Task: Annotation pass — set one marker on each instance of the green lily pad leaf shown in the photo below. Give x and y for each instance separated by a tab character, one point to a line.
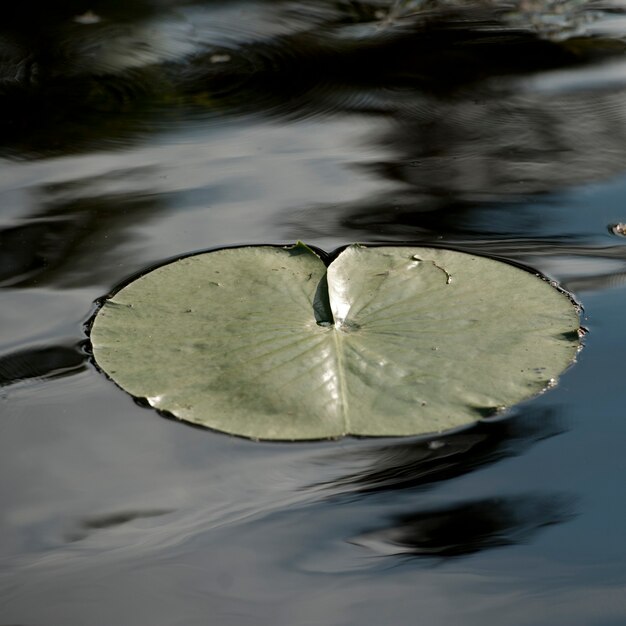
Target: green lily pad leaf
268	343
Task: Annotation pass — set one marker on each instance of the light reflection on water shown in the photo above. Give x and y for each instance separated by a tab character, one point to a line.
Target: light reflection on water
160	129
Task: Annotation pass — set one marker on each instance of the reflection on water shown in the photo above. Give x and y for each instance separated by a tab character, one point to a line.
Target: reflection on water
40	363
475	115
75	232
136	131
111	520
426	462
119	71
454	528
469	527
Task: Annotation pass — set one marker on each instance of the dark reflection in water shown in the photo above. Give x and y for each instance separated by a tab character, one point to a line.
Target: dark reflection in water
120	71
424	463
115	519
90	524
469	527
323	72
407	521
454	159
506	143
74	230
76	237
40	362
25	249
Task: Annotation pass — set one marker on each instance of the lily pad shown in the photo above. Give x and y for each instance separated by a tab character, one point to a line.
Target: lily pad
268	343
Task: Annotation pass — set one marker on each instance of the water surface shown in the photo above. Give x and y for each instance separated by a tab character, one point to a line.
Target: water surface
134	132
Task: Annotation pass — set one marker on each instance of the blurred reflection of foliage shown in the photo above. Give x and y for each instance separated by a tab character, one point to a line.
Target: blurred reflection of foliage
426	462
469	527
122	70
481	148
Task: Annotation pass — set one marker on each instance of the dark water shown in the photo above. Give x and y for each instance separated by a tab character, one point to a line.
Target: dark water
131	132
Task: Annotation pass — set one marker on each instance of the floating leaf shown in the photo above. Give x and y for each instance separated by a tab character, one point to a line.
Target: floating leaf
268	343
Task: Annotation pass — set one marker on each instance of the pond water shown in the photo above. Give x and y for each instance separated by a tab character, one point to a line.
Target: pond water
134	132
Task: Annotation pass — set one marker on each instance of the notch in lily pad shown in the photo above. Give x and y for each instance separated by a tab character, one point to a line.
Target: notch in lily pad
269	343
